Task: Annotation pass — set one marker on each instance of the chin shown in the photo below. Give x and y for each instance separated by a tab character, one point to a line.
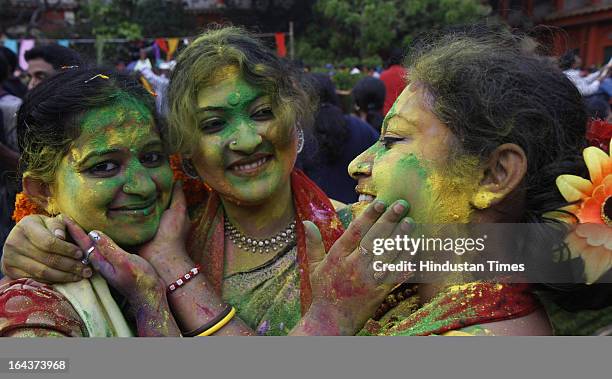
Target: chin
129	237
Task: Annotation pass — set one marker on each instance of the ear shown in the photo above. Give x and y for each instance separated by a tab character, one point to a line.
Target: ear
503	174
40	192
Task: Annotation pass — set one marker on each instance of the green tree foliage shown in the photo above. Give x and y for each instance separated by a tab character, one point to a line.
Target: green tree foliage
366	28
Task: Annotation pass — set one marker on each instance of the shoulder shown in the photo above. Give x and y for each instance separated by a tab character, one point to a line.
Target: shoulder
28	304
359	127
10	101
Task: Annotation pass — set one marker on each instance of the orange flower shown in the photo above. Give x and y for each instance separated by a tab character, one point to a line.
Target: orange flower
24	207
591	239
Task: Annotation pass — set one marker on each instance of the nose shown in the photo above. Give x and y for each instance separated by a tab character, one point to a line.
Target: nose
138	181
246	139
362	165
32	83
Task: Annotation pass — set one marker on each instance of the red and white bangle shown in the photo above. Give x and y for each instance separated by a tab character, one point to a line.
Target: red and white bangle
184	279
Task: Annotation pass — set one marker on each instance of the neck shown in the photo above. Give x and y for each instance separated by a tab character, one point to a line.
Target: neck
265	219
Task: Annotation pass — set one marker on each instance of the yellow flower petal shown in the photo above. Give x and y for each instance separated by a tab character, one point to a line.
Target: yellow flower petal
598	162
574	188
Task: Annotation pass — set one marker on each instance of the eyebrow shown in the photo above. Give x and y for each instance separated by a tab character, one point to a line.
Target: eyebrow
99	153
214	108
410	122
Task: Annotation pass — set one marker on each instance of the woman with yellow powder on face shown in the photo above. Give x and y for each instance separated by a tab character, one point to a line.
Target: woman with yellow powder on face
103	166
482	132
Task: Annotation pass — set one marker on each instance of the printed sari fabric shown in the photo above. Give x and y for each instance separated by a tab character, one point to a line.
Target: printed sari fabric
458	307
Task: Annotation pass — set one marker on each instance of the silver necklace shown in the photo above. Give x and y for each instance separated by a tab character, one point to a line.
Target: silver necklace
261	246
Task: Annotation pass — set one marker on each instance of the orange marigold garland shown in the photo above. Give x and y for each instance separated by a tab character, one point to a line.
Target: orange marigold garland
195	192
24	207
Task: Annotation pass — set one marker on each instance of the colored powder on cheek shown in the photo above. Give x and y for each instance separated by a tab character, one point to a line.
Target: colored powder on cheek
453	187
412	162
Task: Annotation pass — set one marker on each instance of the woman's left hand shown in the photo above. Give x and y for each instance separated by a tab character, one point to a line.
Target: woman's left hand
169	241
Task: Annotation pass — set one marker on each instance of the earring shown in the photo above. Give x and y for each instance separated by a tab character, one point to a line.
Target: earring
300	138
188	168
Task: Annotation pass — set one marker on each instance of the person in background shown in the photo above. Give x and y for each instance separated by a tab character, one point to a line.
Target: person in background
394	78
339	138
598	109
369	97
47	60
591	84
9	156
143	62
12	84
160	85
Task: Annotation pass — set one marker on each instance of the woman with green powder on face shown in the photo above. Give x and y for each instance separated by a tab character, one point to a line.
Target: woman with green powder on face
236	114
102	166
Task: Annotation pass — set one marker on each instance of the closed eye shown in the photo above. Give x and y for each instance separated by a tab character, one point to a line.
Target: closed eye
388	141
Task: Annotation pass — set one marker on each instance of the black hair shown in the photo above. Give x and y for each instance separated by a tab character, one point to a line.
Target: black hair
567	60
396	57
4	68
10	56
369	95
597	108
49	118
330	127
56	55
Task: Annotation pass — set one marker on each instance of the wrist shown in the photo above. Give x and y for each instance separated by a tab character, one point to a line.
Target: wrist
329	319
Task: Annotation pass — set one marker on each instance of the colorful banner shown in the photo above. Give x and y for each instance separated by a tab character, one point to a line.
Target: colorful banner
26	44
172	46
162	44
281	49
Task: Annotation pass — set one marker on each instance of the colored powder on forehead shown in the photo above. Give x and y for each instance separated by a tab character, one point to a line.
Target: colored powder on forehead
123	107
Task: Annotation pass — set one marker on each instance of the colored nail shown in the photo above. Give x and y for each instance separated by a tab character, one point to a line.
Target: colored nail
379	206
399	207
87	273
406	224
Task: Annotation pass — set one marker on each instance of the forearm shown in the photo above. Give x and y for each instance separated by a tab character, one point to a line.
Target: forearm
195	303
154	318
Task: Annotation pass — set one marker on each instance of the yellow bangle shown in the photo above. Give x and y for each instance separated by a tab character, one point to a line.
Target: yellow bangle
219	325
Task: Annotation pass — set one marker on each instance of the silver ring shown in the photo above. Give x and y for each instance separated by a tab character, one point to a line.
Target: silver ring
378	275
85	260
363	251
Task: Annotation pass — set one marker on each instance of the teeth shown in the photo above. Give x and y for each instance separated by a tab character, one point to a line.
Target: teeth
250	166
364	197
